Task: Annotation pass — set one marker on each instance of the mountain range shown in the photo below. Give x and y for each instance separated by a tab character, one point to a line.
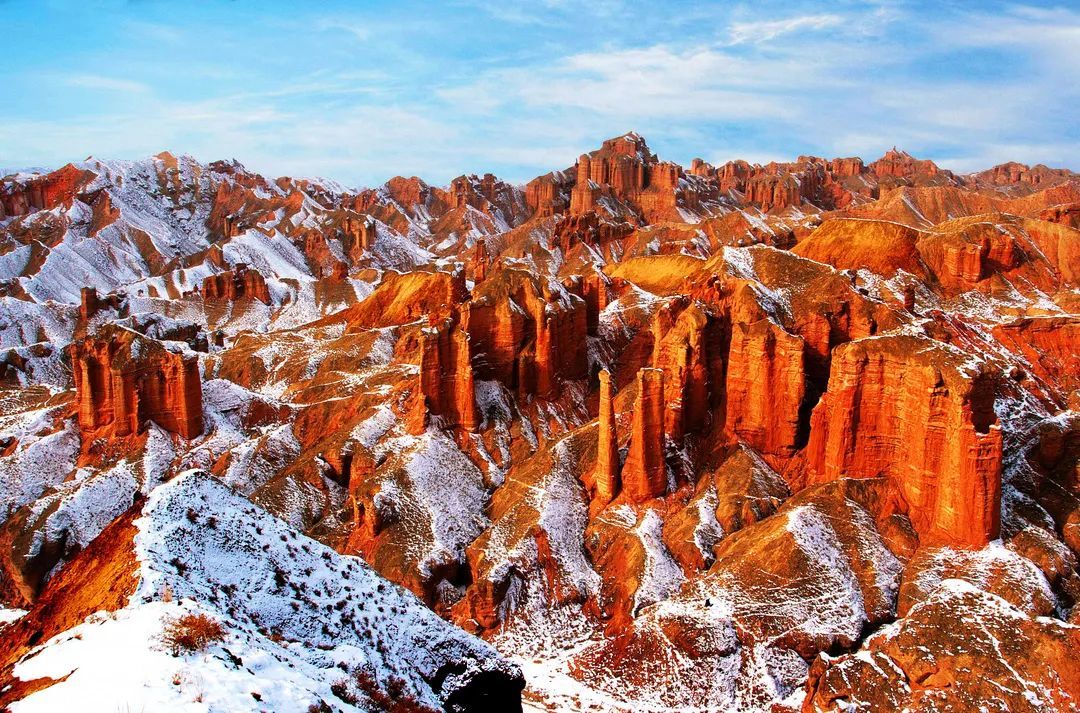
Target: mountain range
632	436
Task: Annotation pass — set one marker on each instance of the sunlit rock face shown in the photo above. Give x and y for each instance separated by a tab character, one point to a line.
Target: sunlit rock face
124	380
800	436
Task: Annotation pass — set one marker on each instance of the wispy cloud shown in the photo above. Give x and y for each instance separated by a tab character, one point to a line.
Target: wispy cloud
356	30
111	84
761	31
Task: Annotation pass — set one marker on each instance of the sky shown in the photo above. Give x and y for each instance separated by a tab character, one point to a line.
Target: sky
363	91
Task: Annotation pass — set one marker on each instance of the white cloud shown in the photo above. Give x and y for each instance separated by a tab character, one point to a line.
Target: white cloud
762	31
112	84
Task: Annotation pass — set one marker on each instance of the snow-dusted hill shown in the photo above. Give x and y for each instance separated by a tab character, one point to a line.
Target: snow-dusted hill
303	625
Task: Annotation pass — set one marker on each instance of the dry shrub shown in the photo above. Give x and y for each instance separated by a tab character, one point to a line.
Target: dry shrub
191	633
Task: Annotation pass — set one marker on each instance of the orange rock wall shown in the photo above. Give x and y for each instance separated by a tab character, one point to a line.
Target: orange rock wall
123	380
235	284
890	411
445	383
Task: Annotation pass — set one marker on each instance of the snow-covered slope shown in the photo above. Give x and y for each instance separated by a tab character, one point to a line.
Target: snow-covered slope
304	626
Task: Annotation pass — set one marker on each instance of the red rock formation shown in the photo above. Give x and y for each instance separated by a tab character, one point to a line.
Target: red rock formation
480	261
104	213
545	195
1012	173
644	475
123	380
1067	214
772	192
526	335
445	383
90	303
959	649
700	167
406	297
765	386
43	192
847	167
881	246
485	194
679	352
901	164
596	289
906	407
1050	345
733	175
588	228
606	474
236	284
620	164
357	234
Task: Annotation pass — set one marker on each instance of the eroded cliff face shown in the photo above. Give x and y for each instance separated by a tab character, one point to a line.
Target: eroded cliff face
528	334
445	382
43	192
238	283
903	408
123	380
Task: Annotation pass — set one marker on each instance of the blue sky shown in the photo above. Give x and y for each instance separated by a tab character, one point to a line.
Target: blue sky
360	92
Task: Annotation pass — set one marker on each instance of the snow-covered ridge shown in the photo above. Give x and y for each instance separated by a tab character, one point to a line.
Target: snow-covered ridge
303	625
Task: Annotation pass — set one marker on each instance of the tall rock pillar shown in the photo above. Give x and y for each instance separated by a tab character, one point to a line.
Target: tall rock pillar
644	476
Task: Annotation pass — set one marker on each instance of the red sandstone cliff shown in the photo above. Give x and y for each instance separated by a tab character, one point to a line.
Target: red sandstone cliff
123	380
235	284
526	333
908	408
445	381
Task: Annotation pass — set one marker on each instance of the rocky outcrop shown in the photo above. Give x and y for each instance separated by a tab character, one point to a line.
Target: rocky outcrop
679	352
598	291
589	228
123	380
900	164
527	334
1012	173
103	212
546	195
765	386
1067	214
624	179
1051	348
955	650
772	192
847	167
480	262
90	303
881	246
644	475
606	473
910	409
445	382
239	283
406	297
43	192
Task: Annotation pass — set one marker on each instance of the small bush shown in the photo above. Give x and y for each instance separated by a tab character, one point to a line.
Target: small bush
341	690
191	633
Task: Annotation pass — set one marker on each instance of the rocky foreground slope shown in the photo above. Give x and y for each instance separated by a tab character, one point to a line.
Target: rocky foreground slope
790	437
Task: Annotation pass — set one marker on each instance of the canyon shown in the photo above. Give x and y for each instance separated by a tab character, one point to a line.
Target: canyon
631	436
